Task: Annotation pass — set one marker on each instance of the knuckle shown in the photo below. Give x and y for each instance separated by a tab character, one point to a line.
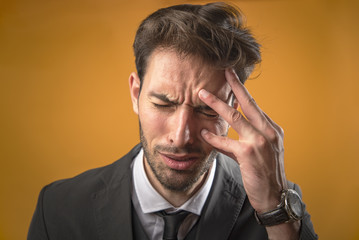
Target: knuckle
280	131
272	135
261	141
251	101
227	143
235	115
248	149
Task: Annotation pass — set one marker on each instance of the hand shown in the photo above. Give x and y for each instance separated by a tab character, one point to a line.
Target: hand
259	150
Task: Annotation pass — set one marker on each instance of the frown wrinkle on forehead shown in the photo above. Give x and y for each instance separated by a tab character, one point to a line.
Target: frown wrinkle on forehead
180	78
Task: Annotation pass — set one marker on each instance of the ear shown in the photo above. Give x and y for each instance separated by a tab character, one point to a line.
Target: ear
134	82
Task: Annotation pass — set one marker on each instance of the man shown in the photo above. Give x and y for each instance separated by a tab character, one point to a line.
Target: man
191	64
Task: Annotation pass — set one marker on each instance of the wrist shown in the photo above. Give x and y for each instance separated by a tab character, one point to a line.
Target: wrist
290	208
271	203
284	231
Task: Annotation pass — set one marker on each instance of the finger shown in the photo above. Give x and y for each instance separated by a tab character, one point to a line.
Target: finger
280	166
249	107
228	113
223	144
275	126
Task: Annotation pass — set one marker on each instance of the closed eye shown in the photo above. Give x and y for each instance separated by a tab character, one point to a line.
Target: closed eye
162	105
207	111
209	114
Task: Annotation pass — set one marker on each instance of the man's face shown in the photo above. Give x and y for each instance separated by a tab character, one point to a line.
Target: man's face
172	116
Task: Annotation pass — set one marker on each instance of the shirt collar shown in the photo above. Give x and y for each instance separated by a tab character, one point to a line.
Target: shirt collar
151	201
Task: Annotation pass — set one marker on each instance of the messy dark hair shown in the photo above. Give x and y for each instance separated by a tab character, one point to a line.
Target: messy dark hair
215	32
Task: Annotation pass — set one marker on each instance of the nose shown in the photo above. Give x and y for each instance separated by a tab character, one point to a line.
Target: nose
182	128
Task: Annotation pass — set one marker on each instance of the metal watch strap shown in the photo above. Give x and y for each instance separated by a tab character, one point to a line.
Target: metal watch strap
274	217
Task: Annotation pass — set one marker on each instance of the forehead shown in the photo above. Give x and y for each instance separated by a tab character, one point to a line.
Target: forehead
180	76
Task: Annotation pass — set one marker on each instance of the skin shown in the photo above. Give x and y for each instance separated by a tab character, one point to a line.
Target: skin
172	116
184	117
259	152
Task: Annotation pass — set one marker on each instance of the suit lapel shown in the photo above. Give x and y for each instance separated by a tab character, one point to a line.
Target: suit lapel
225	201
112	204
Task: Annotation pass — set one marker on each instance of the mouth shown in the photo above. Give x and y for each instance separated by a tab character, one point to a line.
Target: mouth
179	161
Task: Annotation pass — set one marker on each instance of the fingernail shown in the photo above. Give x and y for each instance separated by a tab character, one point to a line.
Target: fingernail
204	131
233	72
203	93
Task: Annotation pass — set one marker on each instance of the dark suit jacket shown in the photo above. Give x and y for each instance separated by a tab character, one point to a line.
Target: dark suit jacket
97	205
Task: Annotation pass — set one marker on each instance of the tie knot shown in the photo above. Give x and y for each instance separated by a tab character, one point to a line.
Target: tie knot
173	222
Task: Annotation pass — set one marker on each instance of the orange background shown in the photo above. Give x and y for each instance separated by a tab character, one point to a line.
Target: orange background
65	104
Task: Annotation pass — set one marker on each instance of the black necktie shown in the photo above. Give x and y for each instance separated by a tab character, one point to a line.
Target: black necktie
173	222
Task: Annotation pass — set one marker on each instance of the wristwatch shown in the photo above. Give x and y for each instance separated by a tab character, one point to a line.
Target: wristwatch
290	208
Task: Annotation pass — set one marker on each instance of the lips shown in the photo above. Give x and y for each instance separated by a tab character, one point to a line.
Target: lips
179	162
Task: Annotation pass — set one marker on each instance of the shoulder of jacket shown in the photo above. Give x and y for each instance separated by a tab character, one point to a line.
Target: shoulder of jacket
94	179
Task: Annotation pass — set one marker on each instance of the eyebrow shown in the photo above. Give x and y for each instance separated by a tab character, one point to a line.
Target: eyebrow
165	99
162	97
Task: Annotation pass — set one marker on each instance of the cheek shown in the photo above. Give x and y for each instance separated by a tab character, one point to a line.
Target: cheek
220	128
152	122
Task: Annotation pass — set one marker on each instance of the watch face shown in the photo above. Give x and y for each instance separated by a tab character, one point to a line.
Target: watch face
294	204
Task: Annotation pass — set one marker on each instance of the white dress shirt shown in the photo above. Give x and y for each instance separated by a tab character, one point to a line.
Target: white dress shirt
147	201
